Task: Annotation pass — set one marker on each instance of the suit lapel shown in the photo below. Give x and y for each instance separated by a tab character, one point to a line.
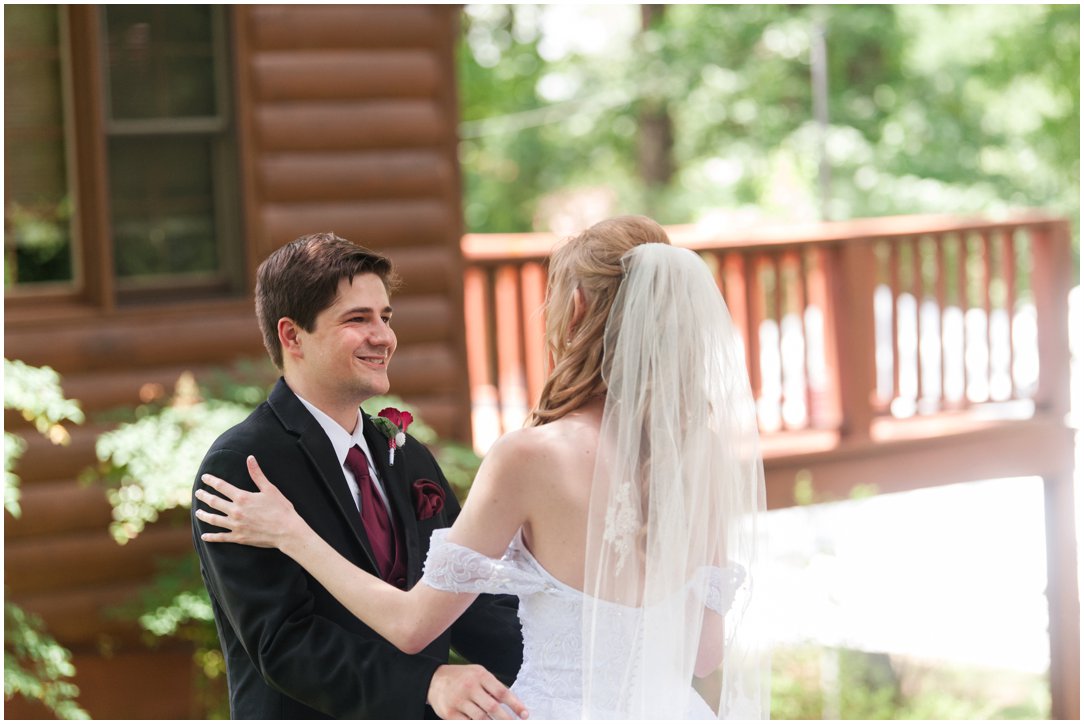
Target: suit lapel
395	485
317	448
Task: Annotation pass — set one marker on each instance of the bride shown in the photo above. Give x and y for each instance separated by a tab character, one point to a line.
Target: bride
623	515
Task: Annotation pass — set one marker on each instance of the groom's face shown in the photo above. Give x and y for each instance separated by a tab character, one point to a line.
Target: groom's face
350	346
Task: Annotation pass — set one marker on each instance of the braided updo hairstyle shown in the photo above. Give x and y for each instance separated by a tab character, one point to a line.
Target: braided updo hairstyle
590	261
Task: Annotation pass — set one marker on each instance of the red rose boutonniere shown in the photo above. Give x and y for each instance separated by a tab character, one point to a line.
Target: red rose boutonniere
393	423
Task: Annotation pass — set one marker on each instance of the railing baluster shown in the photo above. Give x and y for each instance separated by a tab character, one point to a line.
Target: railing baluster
917	292
939	283
987	277
754	307
802	265
777	302
718	266
1008	275
533	287
961	295
894	287
511	381
737	300
827	399
478	306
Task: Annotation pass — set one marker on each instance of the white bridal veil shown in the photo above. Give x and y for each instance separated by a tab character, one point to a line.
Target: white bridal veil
677	487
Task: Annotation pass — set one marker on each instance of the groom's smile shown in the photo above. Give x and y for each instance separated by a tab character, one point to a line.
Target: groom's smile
378	362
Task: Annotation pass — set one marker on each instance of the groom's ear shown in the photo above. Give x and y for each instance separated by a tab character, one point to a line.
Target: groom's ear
290	338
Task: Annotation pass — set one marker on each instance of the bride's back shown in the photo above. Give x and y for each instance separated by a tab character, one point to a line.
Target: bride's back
559	462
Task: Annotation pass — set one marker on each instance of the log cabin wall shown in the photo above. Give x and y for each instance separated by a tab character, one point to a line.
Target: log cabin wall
344	120
348	122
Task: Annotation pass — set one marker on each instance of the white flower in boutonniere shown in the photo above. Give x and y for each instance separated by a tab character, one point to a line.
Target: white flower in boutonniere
393	423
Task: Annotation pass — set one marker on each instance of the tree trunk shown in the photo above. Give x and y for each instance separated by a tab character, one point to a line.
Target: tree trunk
656	138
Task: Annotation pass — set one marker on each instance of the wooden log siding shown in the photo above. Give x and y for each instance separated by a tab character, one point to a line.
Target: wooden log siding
348	118
335	27
346	121
299	177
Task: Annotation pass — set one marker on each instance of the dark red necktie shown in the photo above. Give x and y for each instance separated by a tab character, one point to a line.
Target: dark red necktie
374	516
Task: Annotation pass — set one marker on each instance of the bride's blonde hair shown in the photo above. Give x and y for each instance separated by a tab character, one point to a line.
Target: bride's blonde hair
591	262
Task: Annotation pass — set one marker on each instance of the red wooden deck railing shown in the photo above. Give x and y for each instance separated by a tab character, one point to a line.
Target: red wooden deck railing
902	352
844	323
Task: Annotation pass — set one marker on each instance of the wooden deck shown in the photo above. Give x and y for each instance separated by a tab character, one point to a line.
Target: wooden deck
894	354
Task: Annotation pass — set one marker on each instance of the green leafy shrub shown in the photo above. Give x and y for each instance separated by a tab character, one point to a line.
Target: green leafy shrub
35	665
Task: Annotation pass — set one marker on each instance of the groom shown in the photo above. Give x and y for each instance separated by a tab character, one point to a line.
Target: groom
292	651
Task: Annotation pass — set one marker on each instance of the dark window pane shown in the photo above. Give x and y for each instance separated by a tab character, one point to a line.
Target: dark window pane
37	209
163	205
160	61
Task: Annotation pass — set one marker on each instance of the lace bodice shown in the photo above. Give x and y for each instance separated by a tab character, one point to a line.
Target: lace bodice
551	679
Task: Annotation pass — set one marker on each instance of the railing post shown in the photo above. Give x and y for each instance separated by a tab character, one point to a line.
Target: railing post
851	271
1050	286
1062	591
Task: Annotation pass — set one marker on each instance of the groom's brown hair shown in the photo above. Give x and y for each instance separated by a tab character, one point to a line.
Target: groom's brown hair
301	279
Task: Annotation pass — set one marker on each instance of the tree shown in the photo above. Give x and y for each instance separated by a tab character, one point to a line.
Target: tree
944	108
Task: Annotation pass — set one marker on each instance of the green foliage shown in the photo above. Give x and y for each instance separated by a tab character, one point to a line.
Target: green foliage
38	245
35	665
14	447
932	108
149	463
809	682
35	392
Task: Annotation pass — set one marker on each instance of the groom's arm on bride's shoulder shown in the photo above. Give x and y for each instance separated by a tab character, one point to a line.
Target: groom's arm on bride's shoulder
268	609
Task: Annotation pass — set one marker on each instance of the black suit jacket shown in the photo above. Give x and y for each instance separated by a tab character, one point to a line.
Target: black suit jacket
292	651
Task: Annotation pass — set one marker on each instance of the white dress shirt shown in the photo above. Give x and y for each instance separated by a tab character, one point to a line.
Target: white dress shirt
342	441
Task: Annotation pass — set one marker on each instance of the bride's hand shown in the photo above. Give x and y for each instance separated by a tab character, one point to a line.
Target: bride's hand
265	519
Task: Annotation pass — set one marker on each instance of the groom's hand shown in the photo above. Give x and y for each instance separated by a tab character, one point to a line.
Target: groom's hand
471	692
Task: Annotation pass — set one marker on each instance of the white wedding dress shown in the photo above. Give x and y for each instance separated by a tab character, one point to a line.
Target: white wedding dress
550	682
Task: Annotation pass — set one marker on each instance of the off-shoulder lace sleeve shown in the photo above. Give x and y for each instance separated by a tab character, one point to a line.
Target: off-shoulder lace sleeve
458	569
721	586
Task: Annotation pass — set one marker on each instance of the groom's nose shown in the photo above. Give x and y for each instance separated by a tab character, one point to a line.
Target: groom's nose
382	335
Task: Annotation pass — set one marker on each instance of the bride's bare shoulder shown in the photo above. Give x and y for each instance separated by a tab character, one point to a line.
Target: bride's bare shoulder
551	444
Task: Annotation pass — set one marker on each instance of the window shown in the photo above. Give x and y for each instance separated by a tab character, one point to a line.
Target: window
37	205
157	134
